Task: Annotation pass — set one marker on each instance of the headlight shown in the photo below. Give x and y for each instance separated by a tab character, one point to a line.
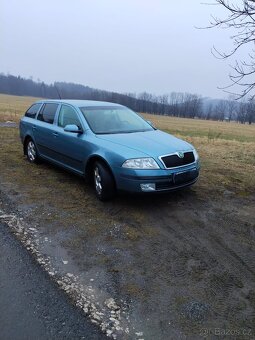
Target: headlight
196	155
140	163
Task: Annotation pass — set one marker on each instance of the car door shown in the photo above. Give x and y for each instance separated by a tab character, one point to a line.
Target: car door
70	147
44	130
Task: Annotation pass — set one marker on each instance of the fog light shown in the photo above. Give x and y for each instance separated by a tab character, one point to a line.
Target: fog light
148	187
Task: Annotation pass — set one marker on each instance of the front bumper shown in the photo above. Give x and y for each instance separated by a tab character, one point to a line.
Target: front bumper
161	180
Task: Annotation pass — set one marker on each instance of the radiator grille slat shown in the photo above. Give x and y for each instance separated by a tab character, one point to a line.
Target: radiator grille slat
173	161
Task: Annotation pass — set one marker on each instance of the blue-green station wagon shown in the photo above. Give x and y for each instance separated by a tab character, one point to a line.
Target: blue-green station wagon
108	144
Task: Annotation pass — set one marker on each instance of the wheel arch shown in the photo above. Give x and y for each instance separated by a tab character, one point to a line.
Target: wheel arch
89	167
27	138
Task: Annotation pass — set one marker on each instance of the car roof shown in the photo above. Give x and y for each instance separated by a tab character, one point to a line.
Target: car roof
79	103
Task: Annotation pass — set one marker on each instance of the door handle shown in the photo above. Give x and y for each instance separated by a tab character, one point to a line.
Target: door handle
55	134
34	127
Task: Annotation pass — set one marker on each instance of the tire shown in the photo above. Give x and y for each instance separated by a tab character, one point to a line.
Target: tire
31	152
103	182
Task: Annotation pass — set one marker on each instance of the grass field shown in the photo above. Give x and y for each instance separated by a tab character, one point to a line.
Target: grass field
227	150
13	107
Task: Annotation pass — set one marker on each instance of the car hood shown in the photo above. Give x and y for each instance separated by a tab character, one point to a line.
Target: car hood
153	143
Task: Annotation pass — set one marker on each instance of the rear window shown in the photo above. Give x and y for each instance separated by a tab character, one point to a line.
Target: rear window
47	114
32	111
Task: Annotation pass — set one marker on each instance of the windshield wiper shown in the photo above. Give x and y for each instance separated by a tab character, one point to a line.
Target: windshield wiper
120	132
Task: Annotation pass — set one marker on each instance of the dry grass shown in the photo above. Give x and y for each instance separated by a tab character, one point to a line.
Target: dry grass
211	130
13	107
227	151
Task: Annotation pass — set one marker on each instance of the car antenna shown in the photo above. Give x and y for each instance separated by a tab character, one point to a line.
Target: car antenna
57	91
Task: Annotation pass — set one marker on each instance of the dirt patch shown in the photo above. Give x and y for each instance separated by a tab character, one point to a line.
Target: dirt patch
175	265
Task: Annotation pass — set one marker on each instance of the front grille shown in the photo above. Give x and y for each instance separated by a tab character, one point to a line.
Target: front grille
173	161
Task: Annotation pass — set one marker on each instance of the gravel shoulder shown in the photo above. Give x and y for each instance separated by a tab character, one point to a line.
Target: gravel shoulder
31	305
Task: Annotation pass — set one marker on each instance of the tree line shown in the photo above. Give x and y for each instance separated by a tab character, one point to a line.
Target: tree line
185	105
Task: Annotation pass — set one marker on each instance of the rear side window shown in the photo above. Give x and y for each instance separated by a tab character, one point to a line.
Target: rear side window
32	111
48	112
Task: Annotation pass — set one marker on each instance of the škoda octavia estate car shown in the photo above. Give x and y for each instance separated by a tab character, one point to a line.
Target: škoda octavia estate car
108	143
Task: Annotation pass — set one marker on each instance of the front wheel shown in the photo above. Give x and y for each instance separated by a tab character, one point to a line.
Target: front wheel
103	182
31	152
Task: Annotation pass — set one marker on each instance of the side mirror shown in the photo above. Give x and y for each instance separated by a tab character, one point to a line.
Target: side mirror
72	128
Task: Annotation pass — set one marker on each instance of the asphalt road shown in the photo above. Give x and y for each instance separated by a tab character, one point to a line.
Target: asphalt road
31	305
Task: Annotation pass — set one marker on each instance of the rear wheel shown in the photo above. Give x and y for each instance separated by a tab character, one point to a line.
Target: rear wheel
103	182
31	151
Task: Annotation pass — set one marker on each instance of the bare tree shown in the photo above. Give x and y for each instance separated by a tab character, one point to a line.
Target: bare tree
208	112
250	112
195	106
241	20
231	108
241	112
220	110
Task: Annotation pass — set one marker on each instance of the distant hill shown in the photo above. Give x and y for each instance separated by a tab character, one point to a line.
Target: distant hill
173	104
184	105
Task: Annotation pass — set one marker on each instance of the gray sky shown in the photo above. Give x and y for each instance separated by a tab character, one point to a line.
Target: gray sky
118	45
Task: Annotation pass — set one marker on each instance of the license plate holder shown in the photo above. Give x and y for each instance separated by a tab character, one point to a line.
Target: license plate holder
185	176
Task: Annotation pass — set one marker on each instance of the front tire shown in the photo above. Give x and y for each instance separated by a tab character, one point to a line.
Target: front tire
103	182
31	152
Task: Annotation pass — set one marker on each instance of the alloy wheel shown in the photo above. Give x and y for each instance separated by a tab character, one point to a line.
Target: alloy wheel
98	181
31	151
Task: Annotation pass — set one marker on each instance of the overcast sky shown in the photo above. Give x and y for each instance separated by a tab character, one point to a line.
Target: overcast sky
118	45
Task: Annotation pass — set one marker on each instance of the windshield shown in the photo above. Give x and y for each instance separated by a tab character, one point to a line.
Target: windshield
115	119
